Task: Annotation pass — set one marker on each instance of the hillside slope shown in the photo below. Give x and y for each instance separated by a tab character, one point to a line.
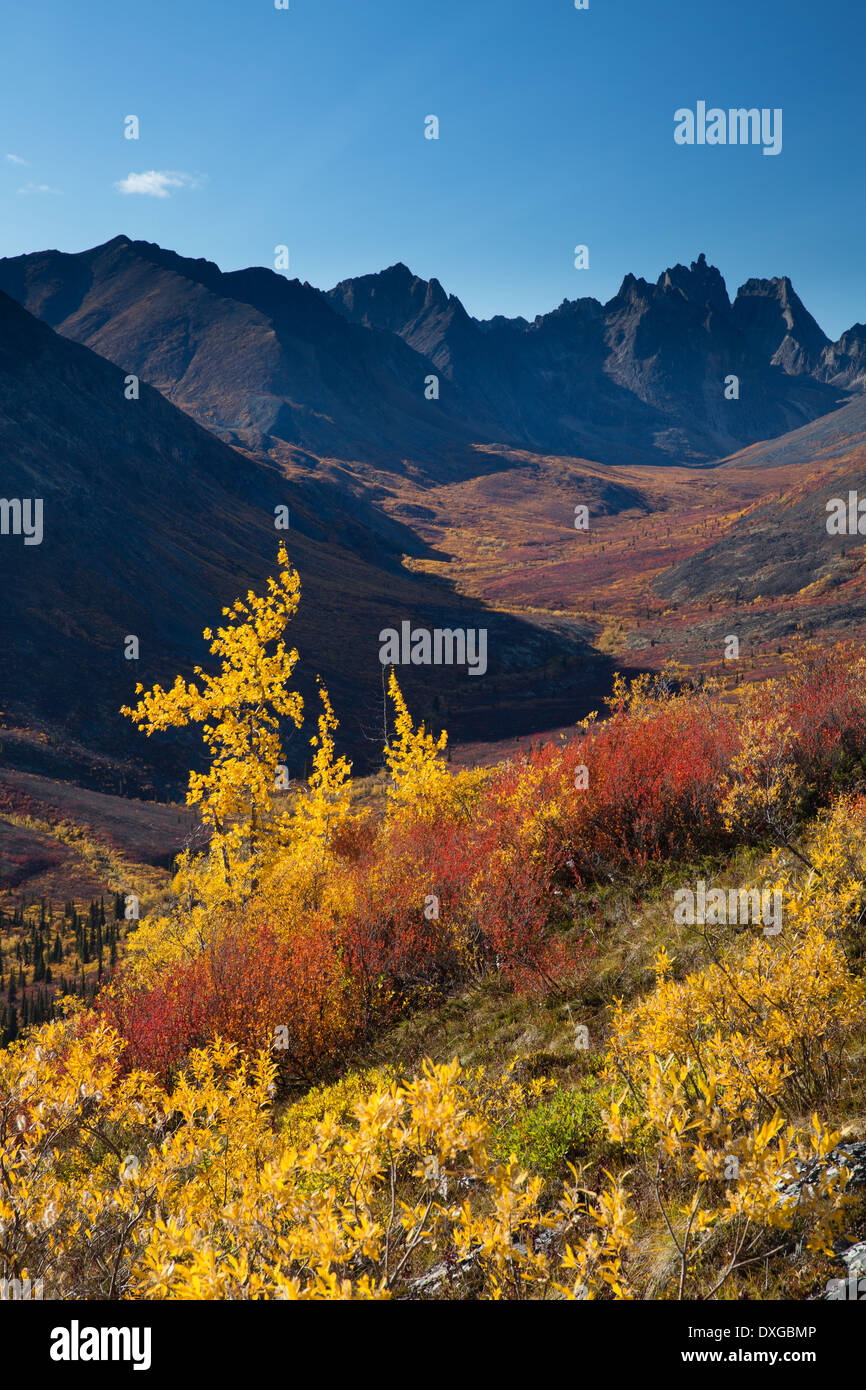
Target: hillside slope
150	524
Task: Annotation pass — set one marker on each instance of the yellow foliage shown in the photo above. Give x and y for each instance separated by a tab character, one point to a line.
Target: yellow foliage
763	789
326	804
711	1064
239	711
418	778
304	872
112	1187
830	896
766	1022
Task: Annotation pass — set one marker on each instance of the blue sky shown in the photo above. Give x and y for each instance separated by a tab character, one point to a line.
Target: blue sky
305	127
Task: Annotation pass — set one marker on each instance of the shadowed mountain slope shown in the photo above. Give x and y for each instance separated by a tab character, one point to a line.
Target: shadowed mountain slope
782	545
253	356
151	525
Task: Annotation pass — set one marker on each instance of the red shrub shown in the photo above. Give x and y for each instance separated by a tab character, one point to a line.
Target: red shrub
825	705
248	984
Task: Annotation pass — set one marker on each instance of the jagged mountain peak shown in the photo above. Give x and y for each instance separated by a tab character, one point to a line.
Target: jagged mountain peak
844	363
633	287
583	310
773	316
699	282
390	297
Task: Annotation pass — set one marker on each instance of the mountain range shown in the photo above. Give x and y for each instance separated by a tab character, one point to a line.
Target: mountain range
276	366
451	506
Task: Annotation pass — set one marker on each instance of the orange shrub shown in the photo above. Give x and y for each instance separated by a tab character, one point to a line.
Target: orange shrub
253	987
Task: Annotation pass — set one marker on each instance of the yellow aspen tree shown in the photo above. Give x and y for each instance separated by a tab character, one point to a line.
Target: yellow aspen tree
325	805
239	710
412	757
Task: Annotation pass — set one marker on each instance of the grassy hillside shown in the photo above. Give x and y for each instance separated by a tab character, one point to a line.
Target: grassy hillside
589	1023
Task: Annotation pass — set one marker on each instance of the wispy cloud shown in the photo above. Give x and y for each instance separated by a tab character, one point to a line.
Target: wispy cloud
16	159
39	188
159	183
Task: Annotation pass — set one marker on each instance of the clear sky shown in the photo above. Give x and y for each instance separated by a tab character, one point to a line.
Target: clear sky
305	127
